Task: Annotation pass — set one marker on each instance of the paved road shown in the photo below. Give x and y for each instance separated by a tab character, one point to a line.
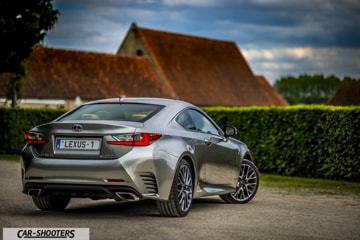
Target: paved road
273	214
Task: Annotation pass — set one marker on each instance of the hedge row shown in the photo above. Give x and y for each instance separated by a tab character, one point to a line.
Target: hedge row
321	142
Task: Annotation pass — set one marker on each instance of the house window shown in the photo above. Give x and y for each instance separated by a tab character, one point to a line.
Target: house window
139	52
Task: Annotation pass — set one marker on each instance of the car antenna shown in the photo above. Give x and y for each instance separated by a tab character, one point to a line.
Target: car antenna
121	98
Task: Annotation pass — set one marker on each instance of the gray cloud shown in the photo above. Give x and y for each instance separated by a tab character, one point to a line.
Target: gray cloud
264	27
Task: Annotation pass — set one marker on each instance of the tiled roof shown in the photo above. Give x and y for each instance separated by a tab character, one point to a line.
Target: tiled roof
348	93
206	71
272	95
65	74
199	70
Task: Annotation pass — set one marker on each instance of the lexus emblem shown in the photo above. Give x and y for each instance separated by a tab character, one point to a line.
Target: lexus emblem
77	127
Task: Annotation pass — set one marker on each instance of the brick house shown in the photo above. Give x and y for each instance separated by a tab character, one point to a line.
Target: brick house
148	63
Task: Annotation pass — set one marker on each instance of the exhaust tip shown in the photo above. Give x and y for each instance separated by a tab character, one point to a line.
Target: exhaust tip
124	196
34	192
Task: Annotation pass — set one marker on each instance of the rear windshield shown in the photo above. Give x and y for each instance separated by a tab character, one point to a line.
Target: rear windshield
133	112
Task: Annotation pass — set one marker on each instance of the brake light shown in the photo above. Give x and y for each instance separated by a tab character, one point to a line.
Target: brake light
35	138
139	139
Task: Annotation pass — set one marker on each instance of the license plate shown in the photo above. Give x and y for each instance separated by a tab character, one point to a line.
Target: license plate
77	144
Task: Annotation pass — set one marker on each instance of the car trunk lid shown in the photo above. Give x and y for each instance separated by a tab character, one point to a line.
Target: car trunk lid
83	139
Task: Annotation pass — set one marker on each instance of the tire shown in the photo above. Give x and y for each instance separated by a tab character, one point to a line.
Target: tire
51	203
247	186
181	193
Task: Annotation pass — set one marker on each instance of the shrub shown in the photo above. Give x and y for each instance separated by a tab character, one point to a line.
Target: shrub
304	141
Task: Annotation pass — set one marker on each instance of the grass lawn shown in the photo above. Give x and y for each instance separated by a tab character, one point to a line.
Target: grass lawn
10	157
310	184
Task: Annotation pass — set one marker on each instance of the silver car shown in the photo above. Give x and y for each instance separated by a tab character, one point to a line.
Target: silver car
130	149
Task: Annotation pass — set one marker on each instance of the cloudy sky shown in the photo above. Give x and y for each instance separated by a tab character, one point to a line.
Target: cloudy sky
277	37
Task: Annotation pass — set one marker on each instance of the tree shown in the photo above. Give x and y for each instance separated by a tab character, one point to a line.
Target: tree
307	89
23	24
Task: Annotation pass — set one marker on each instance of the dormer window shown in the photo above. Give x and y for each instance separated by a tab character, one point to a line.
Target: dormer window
139	52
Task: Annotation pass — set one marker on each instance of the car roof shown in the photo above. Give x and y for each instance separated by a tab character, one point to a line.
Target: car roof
158	101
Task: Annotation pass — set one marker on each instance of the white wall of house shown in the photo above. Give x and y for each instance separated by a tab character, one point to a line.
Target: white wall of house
44	103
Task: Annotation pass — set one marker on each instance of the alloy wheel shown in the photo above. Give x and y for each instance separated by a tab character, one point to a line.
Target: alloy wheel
247	183
185	188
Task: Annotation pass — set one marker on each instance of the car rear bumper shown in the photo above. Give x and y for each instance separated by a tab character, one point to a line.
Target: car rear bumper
118	193
135	175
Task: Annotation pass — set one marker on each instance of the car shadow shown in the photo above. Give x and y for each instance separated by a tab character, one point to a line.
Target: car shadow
85	208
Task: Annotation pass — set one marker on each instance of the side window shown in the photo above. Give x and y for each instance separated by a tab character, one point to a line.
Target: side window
185	121
194	120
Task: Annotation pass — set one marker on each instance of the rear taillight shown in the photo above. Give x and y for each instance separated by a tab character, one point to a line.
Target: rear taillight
139	139
35	138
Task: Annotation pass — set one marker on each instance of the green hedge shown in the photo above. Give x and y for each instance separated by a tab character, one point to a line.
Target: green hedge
321	142
305	141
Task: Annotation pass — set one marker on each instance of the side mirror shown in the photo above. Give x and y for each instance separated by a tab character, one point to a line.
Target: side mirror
230	131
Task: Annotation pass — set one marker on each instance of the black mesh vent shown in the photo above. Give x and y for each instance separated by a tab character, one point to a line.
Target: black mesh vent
150	182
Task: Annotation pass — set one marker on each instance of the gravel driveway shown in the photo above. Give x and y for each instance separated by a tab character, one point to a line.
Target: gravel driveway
273	214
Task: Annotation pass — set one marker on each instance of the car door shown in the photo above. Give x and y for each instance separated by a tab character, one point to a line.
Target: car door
217	158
